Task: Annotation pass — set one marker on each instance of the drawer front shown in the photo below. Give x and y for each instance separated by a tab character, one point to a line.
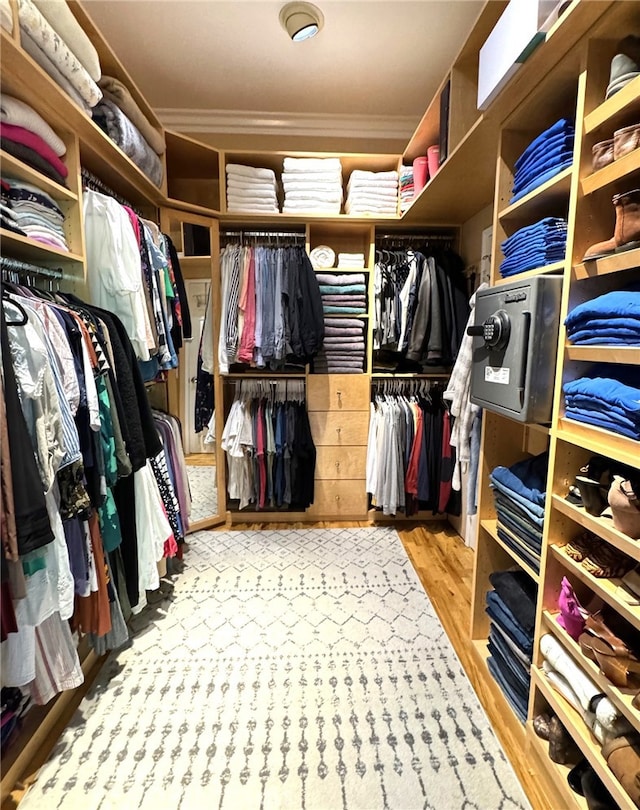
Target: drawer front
337	392
338	463
339	499
340	429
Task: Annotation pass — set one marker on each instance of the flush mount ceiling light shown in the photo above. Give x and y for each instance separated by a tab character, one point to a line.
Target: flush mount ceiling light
301	20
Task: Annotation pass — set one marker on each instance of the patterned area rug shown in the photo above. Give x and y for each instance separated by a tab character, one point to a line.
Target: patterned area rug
204	494
287	669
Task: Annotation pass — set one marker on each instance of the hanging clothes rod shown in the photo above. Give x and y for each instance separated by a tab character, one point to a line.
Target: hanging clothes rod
276	234
414	237
90	181
8	265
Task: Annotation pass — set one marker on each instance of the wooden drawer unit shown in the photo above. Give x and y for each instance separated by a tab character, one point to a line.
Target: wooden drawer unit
339	429
338	463
333	499
337	392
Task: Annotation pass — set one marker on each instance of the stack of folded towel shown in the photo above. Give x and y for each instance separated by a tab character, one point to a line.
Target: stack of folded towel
610	319
534	246
350	261
322	256
407	189
343	351
546	156
372	193
312	185
343	294
124	122
34	213
27	136
52	36
609	399
519	496
251	189
511	606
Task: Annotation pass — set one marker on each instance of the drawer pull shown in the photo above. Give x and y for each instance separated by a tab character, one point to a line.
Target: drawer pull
337	465
339	393
338	430
337	497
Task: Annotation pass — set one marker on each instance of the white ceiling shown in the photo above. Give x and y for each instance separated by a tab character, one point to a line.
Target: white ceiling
381	60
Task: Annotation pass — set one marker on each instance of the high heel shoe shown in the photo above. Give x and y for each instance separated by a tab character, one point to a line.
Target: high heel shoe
620	669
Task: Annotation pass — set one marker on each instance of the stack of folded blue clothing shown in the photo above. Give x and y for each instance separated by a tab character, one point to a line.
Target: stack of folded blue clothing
609	399
610	319
534	246
546	156
511	606
519	496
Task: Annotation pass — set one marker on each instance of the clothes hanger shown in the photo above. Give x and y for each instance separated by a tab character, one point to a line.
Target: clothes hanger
25	318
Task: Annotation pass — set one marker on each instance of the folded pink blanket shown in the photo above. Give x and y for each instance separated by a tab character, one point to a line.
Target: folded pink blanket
35	142
340	279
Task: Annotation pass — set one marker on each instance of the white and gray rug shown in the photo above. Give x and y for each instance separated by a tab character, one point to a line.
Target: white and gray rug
204	493
302	669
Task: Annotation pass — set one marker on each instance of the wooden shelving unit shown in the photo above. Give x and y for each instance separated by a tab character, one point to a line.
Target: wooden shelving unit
628	355
12	167
618	170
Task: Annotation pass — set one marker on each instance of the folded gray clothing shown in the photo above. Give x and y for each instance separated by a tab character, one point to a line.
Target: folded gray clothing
333	339
340	279
344	355
334	331
338	368
345	300
338	371
344	322
345	347
124	134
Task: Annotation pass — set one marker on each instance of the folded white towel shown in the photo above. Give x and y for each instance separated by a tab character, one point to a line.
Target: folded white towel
255	208
263	193
361	185
371	196
251	201
370	209
312	177
322	256
16	112
60	17
250	171
299	206
303	185
315	196
312	164
362	174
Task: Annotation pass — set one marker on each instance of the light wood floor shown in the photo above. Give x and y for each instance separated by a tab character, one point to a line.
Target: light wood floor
444	565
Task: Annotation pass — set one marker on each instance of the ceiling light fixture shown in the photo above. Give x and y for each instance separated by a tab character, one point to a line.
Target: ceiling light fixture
301	20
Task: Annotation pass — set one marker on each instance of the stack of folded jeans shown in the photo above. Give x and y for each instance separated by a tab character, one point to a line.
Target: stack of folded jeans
610	319
511	606
534	246
546	156
609	399
519	496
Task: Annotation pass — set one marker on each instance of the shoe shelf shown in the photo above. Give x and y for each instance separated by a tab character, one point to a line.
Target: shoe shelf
537	203
614	112
21	247
491	527
12	167
603	527
604	354
560	772
546	270
616	263
621	698
605	588
581	733
600	441
618	170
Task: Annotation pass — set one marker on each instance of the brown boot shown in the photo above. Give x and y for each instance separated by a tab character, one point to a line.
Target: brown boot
627	231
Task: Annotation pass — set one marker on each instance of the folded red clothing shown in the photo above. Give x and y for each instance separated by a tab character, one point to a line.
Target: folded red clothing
35	142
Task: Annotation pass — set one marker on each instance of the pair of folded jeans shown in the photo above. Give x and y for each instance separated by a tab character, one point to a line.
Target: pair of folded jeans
516	652
525	536
533	522
509	663
510	692
506	619
533	510
528	477
519	593
519	547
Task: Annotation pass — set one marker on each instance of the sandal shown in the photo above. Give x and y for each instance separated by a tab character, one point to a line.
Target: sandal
620	669
596	625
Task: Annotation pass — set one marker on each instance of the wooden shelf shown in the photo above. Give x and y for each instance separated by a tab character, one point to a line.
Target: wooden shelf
21	247
535	202
618	170
301	219
604	588
266	375
455	193
546	270
12	167
410	375
613	112
491	527
569	798
603	527
604	354
581	733
190	208
621	698
598	440
616	263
